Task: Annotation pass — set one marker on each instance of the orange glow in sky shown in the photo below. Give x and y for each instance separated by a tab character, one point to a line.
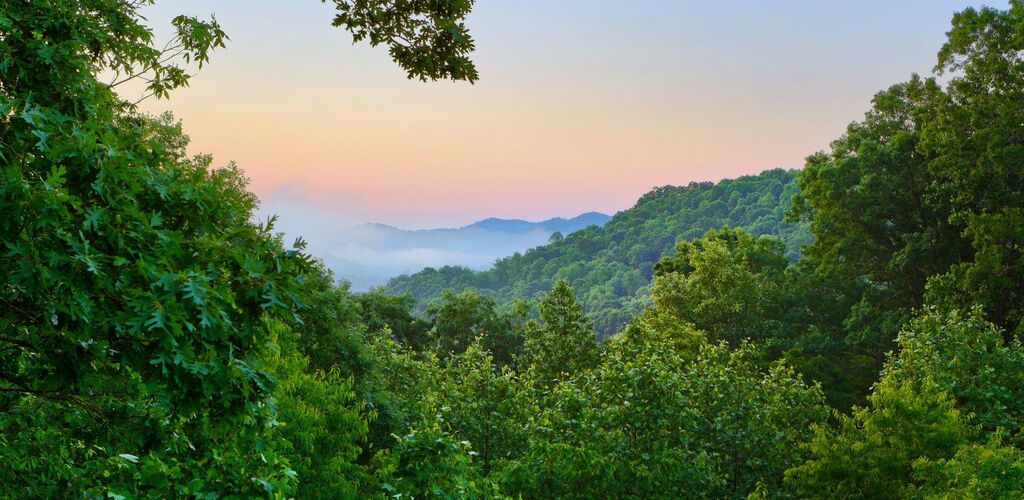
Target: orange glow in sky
582	105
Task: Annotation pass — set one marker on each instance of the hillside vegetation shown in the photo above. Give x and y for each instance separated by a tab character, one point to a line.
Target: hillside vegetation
611	266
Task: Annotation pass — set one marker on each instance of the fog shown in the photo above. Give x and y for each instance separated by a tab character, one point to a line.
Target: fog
368	254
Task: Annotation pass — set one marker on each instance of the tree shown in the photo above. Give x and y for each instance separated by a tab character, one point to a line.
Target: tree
137	293
872	455
403	383
483	405
429	40
965	357
394	312
330	325
325	422
877	226
136	287
460	318
918	430
563	342
727	283
975	140
621	429
922	200
989	470
428	462
654	420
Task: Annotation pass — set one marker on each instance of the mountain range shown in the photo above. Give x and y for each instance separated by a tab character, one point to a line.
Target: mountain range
367	255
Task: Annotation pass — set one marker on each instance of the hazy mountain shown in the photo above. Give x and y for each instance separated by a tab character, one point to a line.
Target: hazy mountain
559	224
370	254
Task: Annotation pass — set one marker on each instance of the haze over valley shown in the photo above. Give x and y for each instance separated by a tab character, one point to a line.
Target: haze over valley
369	254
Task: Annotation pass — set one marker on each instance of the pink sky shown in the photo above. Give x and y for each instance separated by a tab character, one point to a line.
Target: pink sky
580	106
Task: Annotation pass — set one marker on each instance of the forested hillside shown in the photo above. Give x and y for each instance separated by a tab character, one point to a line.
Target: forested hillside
611	266
156	342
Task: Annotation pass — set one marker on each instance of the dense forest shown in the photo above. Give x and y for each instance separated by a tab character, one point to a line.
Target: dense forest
611	266
855	333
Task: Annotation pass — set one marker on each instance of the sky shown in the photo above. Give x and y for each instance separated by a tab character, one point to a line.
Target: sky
581	105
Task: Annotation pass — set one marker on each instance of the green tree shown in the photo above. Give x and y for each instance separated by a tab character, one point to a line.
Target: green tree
989	470
622	429
918	431
395	312
135	284
728	283
975	140
134	338
429	40
964	355
330	325
458	319
872	454
402	384
484	405
877	227
656	419
324	423
563	342
429	462
924	196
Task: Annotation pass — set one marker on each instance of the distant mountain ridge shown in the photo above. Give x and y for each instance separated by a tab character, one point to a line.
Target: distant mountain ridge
553	224
611	266
559	224
367	255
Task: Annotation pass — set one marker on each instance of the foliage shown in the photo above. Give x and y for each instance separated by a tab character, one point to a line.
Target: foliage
726	283
654	421
136	287
323	423
458	319
866	201
135	352
401	381
925	192
872	454
974	139
989	470
484	405
395	313
331	325
563	342
155	341
965	356
429	462
428	39
918	431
